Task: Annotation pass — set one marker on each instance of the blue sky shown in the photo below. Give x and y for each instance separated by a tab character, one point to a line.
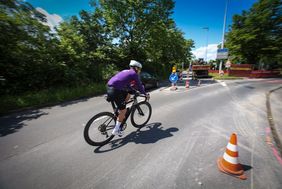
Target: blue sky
190	17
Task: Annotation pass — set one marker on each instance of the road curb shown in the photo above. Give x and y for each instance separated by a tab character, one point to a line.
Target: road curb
274	130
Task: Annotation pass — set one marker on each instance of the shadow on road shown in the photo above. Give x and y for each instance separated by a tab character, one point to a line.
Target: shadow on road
12	123
153	133
246	167
249	87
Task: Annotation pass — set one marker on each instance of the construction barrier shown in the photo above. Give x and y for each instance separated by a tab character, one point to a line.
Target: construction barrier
264	74
187	84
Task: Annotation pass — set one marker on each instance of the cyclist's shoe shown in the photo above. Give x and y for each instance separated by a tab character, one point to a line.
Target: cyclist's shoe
117	132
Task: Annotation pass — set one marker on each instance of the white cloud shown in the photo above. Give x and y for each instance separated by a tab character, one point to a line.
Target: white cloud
211	52
53	20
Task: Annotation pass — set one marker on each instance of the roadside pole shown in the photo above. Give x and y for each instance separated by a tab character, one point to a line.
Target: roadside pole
223	35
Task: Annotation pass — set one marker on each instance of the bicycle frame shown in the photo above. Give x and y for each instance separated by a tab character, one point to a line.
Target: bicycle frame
129	109
104	127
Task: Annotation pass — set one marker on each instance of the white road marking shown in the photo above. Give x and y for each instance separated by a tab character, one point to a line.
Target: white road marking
222	83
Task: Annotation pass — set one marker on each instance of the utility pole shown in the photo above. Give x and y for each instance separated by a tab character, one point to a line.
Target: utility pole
206	56
223	33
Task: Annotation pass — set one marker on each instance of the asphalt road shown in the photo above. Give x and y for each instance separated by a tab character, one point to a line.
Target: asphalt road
189	130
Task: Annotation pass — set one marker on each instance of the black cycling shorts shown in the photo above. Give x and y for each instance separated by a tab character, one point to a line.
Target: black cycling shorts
118	96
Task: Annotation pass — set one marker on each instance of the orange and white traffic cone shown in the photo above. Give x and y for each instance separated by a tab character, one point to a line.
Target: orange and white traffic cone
187	84
229	162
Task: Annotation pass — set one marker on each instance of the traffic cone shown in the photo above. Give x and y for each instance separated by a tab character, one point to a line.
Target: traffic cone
229	162
187	84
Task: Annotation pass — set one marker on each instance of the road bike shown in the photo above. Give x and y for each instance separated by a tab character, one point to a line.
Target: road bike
98	130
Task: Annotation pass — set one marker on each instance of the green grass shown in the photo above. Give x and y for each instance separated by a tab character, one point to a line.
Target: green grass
48	97
224	77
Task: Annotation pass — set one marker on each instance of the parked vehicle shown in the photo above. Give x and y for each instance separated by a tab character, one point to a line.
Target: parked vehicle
148	80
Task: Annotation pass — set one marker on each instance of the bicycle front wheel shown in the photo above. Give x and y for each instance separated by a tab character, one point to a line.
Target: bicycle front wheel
141	114
98	130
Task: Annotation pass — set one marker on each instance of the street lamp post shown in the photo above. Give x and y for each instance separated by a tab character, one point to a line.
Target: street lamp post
223	33
206	53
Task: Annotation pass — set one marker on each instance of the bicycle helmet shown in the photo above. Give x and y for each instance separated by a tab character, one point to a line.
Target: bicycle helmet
134	63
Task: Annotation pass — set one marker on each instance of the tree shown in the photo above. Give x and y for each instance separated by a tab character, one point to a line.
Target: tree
255	36
88	48
26	45
144	30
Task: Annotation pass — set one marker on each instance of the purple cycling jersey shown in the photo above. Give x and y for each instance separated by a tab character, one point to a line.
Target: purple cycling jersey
121	80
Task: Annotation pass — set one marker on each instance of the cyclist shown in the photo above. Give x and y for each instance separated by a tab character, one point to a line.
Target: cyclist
118	90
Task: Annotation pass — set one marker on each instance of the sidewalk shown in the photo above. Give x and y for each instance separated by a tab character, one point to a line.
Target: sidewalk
275	99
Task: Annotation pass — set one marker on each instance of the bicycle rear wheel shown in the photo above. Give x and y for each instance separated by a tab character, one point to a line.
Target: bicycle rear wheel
98	130
141	114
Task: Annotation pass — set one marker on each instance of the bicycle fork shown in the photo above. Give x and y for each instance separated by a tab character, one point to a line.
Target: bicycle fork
140	112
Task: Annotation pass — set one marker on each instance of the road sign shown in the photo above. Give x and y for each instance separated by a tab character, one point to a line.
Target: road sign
228	64
173	78
222	53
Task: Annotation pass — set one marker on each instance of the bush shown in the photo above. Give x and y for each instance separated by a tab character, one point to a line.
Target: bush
48	97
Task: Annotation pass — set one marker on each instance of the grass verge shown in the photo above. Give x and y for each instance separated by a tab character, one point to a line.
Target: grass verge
224	77
48	97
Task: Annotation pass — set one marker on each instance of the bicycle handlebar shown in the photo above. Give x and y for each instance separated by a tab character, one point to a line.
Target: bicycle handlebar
138	94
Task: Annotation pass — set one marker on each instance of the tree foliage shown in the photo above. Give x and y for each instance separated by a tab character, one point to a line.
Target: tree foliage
255	36
26	47
144	30
86	48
